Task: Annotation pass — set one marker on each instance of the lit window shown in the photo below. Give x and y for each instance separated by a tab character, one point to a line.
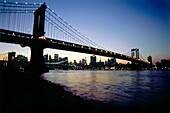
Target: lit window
73	44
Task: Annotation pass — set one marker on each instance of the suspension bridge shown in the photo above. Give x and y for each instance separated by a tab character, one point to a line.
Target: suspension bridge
39	27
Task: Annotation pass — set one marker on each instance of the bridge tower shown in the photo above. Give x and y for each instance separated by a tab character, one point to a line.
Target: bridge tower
135	52
37	64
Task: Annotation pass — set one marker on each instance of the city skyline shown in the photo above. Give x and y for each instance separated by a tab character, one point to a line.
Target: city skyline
127	25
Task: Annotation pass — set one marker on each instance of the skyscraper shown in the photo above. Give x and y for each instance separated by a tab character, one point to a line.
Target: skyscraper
93	60
50	59
11	56
56	57
45	58
150	59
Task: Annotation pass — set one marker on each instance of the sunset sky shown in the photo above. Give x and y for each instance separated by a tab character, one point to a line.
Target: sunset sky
118	25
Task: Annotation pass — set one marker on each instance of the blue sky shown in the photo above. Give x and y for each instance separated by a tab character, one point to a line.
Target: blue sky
117	25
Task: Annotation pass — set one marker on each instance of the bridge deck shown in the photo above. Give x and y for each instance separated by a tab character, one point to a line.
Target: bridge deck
27	39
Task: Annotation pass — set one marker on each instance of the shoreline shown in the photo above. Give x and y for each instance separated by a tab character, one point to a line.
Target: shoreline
25	92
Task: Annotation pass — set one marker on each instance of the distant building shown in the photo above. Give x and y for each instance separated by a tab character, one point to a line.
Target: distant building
21	62
100	63
79	63
93	60
21	58
60	59
75	63
84	62
11	59
45	58
165	64
150	59
113	61
106	63
65	58
50	59
56	57
11	56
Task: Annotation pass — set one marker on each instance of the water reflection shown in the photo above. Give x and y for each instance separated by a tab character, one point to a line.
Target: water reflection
118	87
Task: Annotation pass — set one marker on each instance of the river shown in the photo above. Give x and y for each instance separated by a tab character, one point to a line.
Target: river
117	87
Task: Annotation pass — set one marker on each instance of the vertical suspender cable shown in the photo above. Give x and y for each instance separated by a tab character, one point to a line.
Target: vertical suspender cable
53	31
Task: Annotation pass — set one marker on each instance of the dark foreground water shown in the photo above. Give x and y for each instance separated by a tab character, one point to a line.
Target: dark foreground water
118	88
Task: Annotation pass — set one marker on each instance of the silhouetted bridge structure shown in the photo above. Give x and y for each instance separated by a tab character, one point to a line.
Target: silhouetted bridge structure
38	41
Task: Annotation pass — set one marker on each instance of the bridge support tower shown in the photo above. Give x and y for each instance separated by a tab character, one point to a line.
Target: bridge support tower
37	64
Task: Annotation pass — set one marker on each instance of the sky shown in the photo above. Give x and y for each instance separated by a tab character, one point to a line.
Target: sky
118	25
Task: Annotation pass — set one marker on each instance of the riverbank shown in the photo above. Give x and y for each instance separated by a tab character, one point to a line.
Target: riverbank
25	92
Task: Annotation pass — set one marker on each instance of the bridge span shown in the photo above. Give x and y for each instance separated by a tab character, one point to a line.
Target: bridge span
27	40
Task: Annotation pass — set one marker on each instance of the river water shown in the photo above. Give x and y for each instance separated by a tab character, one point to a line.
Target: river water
120	88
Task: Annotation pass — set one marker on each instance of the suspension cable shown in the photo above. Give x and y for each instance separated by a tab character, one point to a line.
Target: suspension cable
84	37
